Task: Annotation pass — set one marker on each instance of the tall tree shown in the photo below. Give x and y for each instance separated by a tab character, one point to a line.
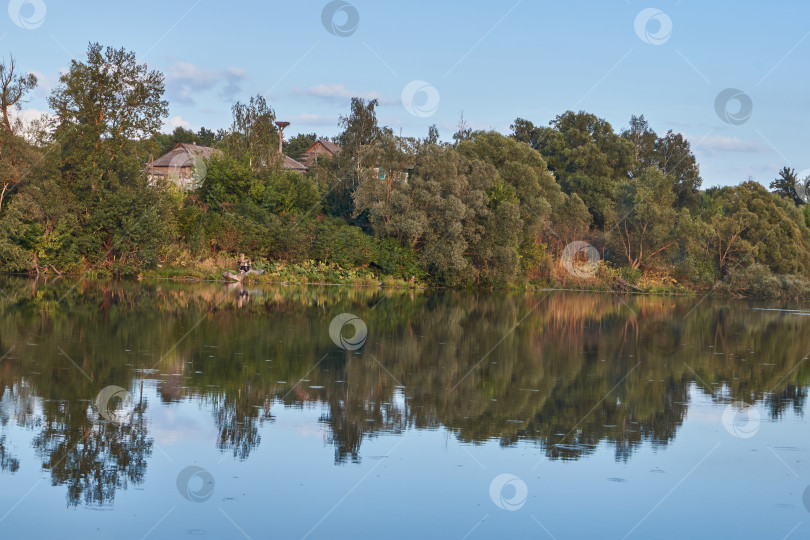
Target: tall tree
670	153
643	139
645	218
254	135
13	88
167	141
787	183
673	155
464	130
432	138
207	137
104	106
525	173
362	141
586	155
361	133
525	131
15	155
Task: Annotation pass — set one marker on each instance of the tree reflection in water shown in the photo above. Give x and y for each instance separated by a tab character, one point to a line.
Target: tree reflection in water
564	371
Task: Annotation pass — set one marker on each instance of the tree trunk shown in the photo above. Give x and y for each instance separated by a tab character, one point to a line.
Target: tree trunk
3	195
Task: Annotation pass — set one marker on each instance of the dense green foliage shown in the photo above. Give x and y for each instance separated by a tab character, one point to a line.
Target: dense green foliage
486	209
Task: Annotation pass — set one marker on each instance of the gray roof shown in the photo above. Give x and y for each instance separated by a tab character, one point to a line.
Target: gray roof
333	148
291	164
184	155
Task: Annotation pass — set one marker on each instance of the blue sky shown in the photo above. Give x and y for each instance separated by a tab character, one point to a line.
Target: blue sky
493	60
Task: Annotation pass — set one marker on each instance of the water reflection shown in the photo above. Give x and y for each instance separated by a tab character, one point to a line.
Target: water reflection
566	371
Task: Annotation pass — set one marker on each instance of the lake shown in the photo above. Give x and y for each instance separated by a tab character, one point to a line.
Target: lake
166	410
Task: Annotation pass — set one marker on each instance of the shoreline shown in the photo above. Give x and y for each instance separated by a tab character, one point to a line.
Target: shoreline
172	274
753	285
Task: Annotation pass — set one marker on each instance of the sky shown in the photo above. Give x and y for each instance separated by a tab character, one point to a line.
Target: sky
730	75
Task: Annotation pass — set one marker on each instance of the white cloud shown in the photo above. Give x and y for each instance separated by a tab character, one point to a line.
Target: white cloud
26	116
174	122
334	92
184	81
720	143
45	83
34	122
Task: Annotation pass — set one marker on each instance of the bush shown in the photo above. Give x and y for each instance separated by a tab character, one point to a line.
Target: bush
394	260
13	257
758	281
630	275
341	244
289	193
795	287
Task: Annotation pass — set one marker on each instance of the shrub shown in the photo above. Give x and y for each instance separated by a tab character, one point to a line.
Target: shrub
394	260
758	281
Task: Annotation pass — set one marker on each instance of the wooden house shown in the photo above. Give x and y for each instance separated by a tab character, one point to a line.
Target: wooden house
184	165
322	148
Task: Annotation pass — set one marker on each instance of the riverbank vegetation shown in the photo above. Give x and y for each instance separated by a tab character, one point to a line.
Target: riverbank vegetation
484	209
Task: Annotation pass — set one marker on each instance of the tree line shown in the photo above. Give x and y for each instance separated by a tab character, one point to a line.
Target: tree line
483	209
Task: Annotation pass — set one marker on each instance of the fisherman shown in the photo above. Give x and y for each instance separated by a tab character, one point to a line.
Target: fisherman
244	263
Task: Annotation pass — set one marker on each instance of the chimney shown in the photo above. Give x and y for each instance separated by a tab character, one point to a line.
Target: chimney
281	126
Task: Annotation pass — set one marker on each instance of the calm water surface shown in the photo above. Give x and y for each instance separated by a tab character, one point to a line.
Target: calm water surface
132	410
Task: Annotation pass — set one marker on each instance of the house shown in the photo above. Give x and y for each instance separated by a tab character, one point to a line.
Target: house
184	165
395	174
291	165
324	148
321	148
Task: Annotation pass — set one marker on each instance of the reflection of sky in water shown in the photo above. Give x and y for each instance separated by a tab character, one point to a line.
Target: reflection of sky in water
424	482
654	458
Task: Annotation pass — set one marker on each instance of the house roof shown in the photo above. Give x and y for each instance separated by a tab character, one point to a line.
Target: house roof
334	148
184	155
331	147
291	164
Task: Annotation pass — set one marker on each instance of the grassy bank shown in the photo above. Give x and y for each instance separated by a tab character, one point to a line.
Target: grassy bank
606	279
752	282
755	281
